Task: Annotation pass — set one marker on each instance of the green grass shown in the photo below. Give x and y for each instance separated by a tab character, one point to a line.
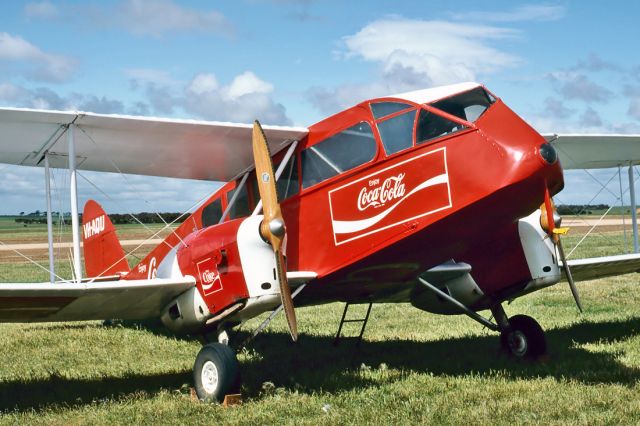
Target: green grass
412	367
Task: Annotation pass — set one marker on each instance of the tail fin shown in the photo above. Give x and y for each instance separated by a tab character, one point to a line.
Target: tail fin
103	254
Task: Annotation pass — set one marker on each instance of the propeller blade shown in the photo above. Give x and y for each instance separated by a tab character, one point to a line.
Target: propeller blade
548	218
272	227
567	270
285	297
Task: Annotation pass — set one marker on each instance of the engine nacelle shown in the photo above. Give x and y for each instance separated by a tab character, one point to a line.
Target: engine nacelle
540	253
187	313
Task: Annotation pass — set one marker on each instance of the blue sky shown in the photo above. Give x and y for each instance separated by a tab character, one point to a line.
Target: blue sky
569	66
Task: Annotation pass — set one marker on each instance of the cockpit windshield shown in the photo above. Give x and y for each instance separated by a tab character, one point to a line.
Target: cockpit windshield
468	106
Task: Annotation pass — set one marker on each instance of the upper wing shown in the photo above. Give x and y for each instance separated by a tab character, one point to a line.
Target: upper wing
600	267
139	145
596	151
44	302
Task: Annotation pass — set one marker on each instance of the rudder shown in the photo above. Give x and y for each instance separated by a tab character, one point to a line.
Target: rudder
103	254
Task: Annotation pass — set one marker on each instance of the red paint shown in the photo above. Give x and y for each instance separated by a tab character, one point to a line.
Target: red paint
487	176
103	254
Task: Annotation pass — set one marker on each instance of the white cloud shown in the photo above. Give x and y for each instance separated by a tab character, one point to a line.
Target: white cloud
414	54
40	65
444	51
157	17
23	190
149	75
590	118
527	12
9	92
41	10
203	83
578	86
556	108
247	83
245	99
45	98
594	63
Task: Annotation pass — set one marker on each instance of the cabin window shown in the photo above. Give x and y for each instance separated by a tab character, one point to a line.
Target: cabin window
468	106
382	109
341	152
288	183
241	206
431	126
212	213
397	132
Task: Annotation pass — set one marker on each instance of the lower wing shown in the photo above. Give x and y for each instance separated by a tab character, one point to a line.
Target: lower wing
64	301
607	266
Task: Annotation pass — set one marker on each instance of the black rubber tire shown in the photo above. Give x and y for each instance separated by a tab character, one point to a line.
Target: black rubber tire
524	338
221	361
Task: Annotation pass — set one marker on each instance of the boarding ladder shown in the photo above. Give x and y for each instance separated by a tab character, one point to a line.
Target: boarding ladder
344	320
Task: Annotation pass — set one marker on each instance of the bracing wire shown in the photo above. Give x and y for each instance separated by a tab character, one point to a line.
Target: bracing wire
188	211
115	166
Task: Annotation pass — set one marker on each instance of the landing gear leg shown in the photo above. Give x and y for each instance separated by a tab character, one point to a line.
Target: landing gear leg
216	372
521	336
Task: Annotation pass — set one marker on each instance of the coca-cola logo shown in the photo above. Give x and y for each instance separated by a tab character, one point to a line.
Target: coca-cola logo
377	194
208	276
403	191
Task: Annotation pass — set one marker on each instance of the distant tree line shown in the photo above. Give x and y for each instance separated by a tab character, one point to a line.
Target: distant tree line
144	217
39	217
580	208
33	219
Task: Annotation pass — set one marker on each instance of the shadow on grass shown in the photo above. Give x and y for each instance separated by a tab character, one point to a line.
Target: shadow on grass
313	365
56	390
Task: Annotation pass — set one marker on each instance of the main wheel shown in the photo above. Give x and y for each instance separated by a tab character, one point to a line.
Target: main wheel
216	372
524	338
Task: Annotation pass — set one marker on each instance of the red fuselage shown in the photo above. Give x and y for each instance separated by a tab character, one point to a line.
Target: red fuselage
368	232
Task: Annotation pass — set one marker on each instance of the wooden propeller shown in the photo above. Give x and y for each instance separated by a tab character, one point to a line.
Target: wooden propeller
273	228
548	223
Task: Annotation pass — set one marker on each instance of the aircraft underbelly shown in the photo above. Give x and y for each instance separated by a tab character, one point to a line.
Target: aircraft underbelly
480	234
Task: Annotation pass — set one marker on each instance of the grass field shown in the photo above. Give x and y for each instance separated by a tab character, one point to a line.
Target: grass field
412	367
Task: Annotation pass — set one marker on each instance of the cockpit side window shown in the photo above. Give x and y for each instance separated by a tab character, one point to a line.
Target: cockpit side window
288	183
397	132
212	213
431	126
468	106
341	152
382	109
241	206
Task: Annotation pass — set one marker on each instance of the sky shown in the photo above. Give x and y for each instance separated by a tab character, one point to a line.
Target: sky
568	66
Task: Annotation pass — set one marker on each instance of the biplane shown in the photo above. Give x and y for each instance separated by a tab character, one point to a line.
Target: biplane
439	197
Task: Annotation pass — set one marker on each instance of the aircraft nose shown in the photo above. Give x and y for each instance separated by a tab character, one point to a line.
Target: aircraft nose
549	157
548	153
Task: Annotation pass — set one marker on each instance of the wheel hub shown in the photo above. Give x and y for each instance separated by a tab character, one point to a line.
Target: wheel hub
518	343
209	377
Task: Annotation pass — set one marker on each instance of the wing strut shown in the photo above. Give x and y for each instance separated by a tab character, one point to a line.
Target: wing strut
279	170
268	320
634	214
73	185
47	186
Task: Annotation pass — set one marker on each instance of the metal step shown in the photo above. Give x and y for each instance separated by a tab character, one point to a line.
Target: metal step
344	320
